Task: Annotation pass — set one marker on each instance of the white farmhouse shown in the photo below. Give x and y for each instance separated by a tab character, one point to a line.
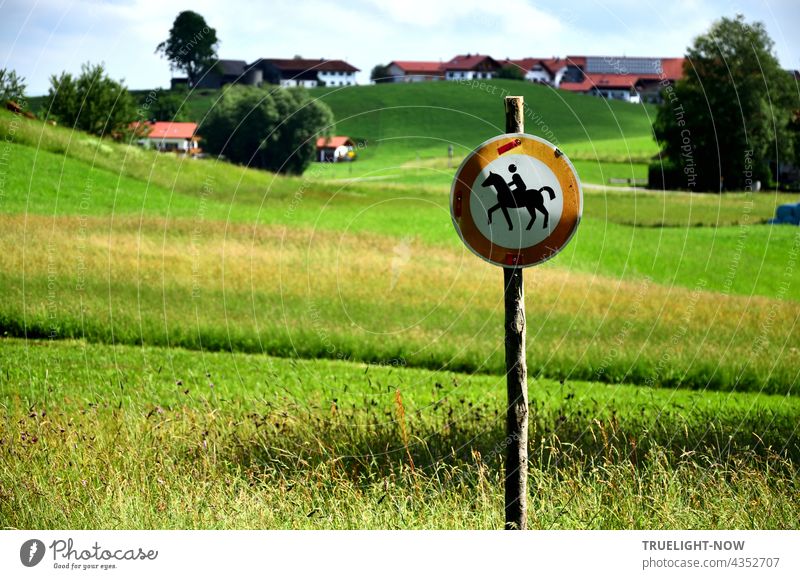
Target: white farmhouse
470	67
169	137
302	72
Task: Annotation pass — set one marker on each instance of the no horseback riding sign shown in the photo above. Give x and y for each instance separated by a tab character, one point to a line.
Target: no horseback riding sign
516	200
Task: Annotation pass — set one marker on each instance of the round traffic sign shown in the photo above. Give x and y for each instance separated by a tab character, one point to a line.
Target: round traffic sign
516	200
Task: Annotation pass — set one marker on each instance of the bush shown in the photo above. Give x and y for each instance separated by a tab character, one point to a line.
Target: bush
511	72
665	175
164	106
380	73
273	129
92	102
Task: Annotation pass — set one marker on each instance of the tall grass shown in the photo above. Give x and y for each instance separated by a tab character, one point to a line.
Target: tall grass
121	437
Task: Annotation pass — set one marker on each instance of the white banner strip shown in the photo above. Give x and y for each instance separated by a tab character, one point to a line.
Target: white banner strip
401	554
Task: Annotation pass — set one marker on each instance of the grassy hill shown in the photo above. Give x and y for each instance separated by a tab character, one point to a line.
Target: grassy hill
151	280
428	116
404	130
423	117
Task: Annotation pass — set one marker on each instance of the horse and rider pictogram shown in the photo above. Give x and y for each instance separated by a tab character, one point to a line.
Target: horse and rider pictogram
516	194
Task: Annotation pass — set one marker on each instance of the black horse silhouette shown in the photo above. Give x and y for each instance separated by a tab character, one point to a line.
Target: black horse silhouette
530	199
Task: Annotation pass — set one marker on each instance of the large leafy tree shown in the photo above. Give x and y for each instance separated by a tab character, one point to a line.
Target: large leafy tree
269	129
92	101
191	46
728	119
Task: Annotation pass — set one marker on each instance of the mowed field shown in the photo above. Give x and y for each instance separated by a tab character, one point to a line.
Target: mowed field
366	373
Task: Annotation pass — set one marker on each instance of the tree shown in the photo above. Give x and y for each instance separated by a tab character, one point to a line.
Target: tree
728	119
270	129
191	46
380	73
165	106
12	87
92	102
511	72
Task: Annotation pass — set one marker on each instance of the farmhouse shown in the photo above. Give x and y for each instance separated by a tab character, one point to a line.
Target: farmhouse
541	70
282	71
335	149
415	70
632	79
179	138
470	66
302	72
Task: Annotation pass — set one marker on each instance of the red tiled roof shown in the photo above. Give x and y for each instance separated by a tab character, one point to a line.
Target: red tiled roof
468	62
554	64
550	65
333	142
417	66
583	86
614	81
525	64
672	67
168	130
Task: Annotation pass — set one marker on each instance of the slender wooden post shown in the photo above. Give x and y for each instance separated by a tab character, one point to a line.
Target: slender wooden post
516	491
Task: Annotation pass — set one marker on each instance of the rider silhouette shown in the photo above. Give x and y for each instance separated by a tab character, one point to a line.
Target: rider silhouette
517	184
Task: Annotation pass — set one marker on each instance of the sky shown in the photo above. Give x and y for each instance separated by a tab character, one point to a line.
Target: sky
39	38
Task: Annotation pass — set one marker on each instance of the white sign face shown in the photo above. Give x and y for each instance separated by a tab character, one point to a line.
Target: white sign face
509	181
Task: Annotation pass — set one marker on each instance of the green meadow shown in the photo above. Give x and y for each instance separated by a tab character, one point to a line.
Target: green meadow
189	343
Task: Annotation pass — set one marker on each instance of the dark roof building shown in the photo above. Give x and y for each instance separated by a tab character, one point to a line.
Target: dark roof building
303	72
282	71
221	73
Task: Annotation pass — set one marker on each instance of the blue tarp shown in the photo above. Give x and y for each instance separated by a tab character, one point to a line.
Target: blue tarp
788	214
